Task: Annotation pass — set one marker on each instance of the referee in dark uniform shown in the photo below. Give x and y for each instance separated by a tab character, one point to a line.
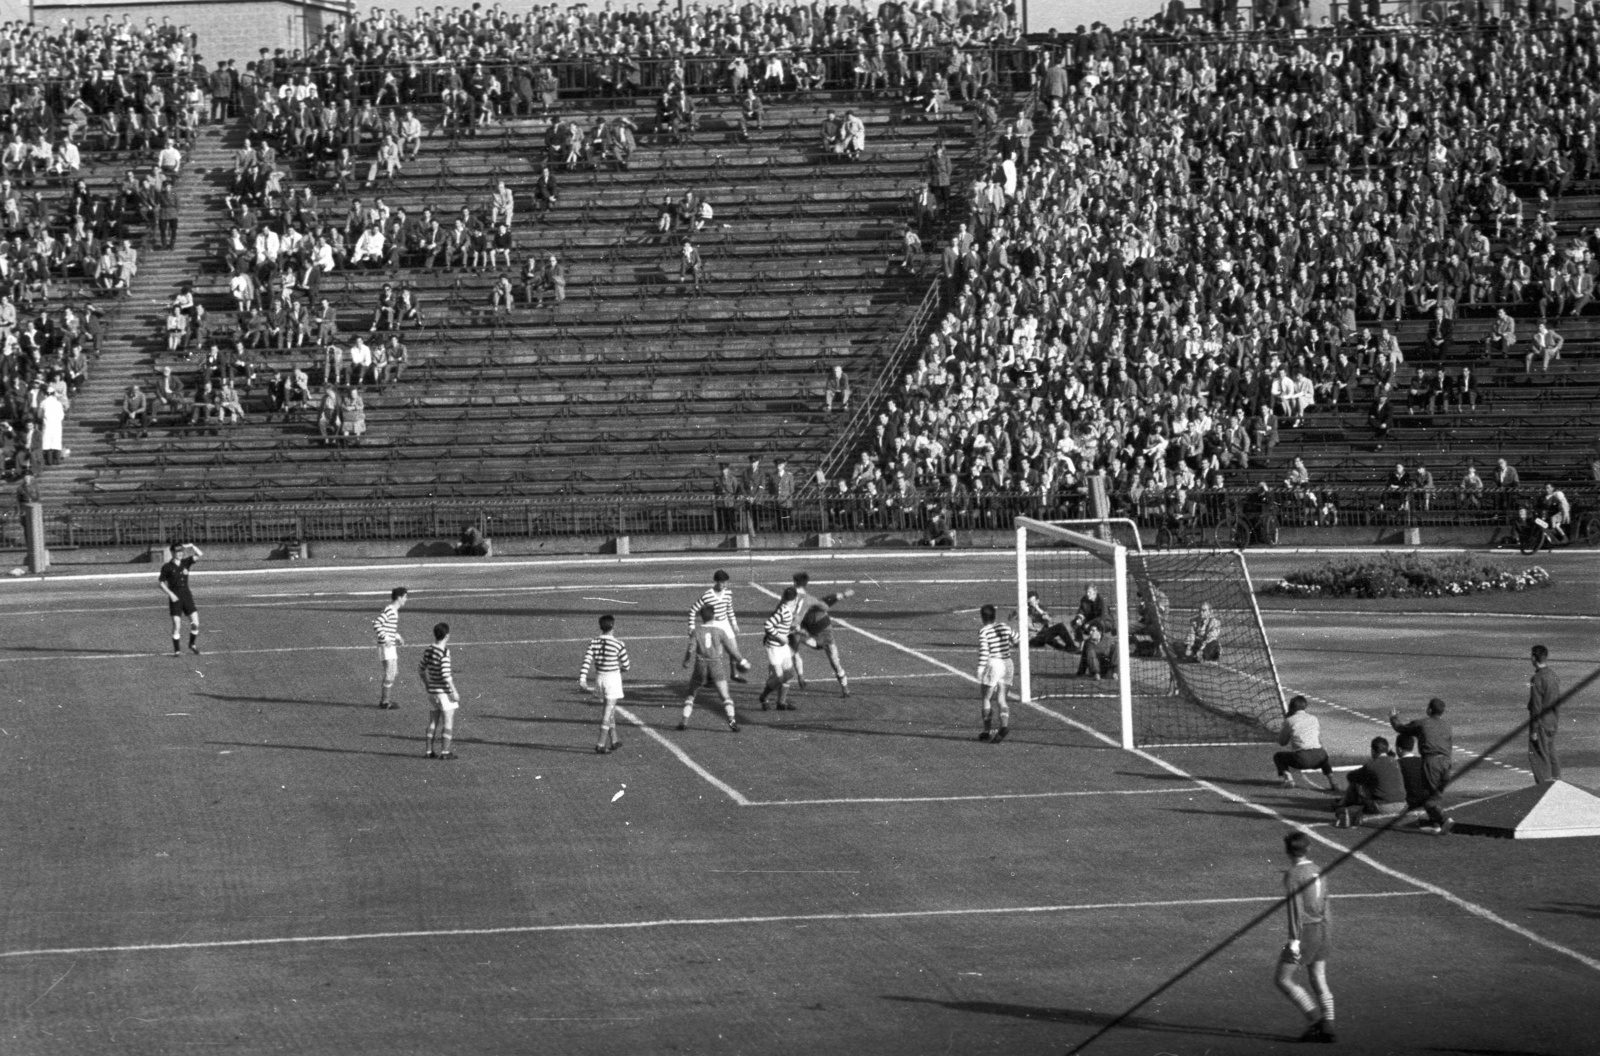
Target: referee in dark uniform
174	583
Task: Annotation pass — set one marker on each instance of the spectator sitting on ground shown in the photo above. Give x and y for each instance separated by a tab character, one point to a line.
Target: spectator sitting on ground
1302	735
1047	631
1379	787
473	543
1098	654
1091	610
1205	634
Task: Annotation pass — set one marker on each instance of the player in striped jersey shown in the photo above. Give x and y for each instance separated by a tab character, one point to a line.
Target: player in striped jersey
710	647
813	622
780	654
387	626
608	656
440	683
720	597
996	642
1309	942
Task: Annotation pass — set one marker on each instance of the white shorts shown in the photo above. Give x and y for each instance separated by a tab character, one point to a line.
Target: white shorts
391	654
609	683
997	673
442	702
780	658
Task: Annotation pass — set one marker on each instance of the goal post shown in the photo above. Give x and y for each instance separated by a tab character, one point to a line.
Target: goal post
1133	671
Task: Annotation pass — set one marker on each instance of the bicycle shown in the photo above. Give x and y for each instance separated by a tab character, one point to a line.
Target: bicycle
1533	534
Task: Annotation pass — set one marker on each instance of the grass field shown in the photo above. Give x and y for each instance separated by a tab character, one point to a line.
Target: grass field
238	851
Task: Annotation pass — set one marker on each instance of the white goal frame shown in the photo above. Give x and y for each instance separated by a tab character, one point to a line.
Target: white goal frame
1115	555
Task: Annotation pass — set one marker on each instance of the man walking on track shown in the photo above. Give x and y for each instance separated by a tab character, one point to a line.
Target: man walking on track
608	656
1309	940
440	683
174	583
1437	745
387	626
1544	719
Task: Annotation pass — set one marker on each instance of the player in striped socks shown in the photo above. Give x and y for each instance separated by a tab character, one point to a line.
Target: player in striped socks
608	656
720	597
710	647
1309	942
387	626
996	642
780	655
440	683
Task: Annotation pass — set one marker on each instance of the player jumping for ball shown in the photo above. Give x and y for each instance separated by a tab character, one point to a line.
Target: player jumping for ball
780	654
996	642
387	626
609	657
440	683
813	620
174	583
710	648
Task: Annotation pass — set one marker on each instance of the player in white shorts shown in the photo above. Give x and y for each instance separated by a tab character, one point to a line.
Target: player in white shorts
997	644
609	658
439	680
780	654
387	626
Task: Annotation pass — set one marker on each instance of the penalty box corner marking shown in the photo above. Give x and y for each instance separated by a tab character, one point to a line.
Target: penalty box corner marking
1474	909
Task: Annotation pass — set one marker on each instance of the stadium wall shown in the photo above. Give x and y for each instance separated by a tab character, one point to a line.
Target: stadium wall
225	29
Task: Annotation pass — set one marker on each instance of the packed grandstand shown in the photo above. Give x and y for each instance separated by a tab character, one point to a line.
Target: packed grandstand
628	261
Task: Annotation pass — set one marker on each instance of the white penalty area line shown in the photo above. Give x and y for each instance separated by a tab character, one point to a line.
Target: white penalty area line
683	757
57	659
688	922
1481	912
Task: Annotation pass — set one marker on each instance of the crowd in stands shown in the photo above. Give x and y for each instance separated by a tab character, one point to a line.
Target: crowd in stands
108	85
1207	241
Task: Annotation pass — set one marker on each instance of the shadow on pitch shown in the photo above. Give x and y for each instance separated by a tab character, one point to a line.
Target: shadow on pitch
534	746
319	748
1241	782
1587	910
282	700
1085	1018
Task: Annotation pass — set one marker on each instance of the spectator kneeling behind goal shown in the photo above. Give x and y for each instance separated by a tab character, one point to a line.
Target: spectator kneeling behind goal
1205	632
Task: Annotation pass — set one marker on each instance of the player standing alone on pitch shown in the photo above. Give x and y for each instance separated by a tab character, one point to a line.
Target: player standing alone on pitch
710	647
387	626
609	658
440	683
720	597
174	583
780	654
1309	941
996	641
811	618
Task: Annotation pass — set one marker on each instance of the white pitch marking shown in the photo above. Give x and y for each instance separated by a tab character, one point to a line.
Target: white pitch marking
960	799
330	648
614	601
1454	899
639	925
683	757
892	678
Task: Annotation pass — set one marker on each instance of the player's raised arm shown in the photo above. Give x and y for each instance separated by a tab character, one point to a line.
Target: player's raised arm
194	551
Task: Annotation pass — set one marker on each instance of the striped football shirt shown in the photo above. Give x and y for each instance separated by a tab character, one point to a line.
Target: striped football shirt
387	625
435	669
779	625
605	654
721	602
995	641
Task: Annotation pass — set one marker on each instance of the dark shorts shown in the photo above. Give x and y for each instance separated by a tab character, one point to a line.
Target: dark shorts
184	606
1315	945
823	638
709	673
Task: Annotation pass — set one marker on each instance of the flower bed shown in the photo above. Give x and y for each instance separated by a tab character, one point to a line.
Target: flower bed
1405	576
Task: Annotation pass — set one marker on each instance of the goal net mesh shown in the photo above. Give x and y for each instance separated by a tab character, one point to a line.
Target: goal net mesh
1230	696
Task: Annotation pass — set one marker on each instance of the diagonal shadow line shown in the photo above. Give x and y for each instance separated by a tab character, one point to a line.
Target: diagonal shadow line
1087	1018
1572	909
69	650
231	699
317	748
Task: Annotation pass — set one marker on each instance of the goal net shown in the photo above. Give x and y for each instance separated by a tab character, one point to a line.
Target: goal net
1106	607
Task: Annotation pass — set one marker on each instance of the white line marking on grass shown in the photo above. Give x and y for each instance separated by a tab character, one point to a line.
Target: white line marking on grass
640	925
1418	614
1454	899
326	648
960	799
683	757
891	678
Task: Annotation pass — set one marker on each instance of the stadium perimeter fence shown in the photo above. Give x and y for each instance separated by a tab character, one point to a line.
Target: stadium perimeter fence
1206	519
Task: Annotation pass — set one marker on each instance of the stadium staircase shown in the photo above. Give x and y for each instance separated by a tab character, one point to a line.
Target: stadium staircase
633	385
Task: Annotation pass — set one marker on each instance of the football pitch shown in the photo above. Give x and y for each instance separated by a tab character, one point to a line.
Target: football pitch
238	851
